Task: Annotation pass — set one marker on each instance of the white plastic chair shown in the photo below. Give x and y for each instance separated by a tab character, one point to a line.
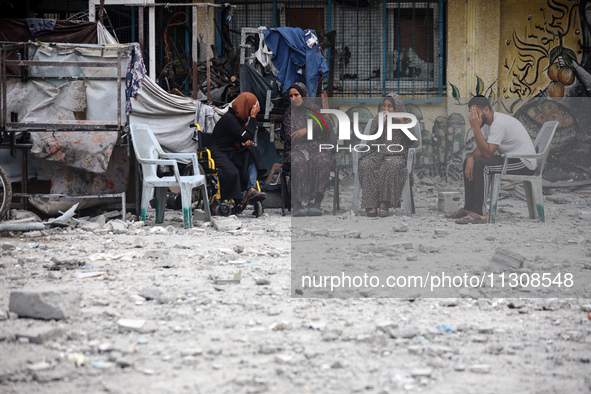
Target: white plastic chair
150	155
531	183
408	203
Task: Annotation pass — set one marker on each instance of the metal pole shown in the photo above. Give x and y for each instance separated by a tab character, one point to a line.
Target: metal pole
24	176
141	26
384	46
187	50
3	101
119	89
194	55
133	24
207	55
152	40
440	47
275	13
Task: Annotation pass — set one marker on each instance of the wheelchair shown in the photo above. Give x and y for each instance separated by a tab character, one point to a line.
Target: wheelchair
207	166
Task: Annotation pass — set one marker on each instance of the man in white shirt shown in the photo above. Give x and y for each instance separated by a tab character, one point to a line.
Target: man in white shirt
496	134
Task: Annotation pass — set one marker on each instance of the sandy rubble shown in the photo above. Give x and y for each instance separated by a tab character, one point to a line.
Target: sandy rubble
189	334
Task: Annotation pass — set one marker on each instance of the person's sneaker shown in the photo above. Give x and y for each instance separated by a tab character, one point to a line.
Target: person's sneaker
314	211
300	212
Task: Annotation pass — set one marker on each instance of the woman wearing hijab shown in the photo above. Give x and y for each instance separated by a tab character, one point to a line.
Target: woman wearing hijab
238	161
382	173
310	168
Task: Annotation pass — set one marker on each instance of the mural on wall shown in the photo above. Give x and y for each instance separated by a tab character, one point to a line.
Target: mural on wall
544	74
445	146
549	64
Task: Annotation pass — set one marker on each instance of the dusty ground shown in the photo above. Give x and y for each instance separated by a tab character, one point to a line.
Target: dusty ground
252	336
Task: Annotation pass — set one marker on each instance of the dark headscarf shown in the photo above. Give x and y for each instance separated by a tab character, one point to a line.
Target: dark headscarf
242	105
399	106
396	101
301	88
295	119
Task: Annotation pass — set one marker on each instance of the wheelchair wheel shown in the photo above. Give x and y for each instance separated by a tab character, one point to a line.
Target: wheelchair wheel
258	209
224	209
5	193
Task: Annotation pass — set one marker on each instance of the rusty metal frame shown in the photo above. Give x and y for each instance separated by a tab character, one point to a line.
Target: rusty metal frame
9	130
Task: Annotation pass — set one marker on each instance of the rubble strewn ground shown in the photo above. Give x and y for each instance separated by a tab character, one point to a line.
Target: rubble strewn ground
157	308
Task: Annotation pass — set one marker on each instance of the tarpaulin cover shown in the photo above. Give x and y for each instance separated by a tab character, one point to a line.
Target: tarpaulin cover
168	115
55	99
291	51
253	82
77	163
16	30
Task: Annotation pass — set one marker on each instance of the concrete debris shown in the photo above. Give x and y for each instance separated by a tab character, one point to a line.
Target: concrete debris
64	218
421	372
151	293
116	227
7	246
47	304
230	303
479	368
59	263
137	325
59	372
229	223
89	226
448	202
41	333
504	260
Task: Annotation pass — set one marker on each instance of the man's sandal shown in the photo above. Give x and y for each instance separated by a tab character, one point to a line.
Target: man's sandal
460	213
371	212
472	218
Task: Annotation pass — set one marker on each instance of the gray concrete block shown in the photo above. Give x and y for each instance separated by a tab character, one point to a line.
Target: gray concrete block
447	202
49	303
506	261
227	223
41	333
61	371
116	226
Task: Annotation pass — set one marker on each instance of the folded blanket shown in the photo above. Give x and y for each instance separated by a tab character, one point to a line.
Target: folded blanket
39	26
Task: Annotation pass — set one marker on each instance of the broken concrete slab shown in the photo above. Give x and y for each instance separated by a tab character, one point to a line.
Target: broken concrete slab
89	226
227	224
60	371
49	303
67	263
447	202
116	227
41	333
504	260
150	293
137	325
